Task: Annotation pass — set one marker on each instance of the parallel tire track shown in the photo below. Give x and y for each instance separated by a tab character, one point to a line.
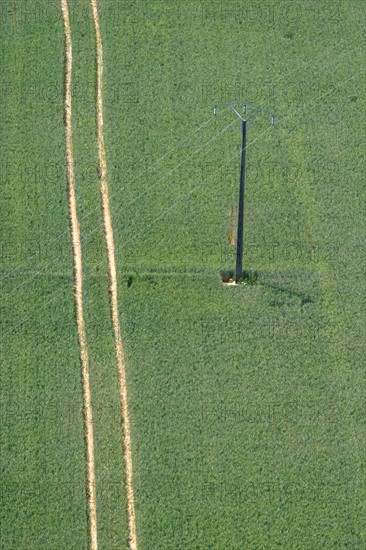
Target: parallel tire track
78	293
112	277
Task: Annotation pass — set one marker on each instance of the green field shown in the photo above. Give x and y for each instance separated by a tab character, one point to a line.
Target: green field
247	404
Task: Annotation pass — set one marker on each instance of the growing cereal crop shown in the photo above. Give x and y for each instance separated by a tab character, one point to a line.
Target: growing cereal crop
145	404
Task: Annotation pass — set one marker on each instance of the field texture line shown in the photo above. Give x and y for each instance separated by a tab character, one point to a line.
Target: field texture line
112	281
78	293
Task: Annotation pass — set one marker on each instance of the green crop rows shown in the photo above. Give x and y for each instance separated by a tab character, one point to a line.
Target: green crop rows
247	404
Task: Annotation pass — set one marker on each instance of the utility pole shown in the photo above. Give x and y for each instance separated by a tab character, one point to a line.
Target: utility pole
240	232
240	238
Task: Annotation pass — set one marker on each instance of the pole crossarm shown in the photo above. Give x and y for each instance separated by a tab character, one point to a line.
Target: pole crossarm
235	111
244	104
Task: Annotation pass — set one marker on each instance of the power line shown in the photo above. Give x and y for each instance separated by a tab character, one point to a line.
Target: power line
65	233
95	231
281	119
154	221
171	207
92	211
84	217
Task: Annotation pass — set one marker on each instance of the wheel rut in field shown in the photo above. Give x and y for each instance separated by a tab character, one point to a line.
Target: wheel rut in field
112	279
78	292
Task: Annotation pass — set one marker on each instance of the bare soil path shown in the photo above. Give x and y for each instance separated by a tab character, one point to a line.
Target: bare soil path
78	292
112	276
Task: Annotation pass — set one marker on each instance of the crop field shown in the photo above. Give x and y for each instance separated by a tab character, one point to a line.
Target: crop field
144	404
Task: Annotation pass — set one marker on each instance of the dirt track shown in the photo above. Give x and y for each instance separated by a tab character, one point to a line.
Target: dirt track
78	292
112	276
